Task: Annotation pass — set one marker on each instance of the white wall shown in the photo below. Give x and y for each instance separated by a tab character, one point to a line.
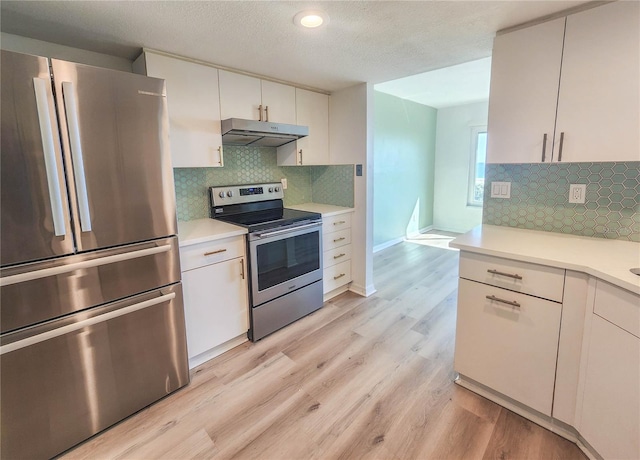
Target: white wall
351	142
453	149
52	50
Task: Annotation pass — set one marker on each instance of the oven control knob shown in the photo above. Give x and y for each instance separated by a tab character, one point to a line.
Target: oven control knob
270	189
277	189
221	194
229	193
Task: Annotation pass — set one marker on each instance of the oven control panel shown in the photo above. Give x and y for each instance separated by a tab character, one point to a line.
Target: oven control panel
238	194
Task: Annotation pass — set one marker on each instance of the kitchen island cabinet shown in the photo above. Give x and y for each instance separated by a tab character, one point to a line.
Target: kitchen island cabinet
194	109
583	364
567	90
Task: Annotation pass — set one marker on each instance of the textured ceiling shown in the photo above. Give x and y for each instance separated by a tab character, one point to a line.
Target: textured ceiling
372	41
455	85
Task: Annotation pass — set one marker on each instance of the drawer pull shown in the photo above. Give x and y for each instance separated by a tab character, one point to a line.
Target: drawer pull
242	268
215	252
339	276
513	303
496	272
340	222
339	255
339	239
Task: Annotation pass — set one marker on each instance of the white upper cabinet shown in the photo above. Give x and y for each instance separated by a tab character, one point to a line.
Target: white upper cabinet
525	70
250	98
312	110
581	94
598	106
194	109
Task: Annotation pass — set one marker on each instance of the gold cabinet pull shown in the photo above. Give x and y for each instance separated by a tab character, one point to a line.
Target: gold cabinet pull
513	303
242	268
339	255
266	113
300	152
339	276
214	252
339	239
260	112
340	222
496	272
561	144
544	147
220	155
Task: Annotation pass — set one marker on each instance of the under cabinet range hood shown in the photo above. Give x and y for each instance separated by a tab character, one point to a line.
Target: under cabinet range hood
236	131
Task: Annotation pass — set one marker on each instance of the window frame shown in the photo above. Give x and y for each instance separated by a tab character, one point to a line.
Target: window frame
471	180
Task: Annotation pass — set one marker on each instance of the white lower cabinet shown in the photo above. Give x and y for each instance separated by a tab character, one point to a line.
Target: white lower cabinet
508	341
610	419
336	257
215	297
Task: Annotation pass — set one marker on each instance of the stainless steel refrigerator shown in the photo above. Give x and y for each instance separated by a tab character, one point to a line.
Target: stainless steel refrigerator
91	313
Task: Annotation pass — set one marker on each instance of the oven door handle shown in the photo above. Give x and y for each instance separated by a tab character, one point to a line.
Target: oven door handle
288	230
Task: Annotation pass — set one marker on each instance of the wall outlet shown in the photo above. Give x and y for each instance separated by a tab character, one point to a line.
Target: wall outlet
577	193
500	189
284	183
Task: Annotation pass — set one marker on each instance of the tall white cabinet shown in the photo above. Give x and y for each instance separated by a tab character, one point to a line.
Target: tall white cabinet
568	89
194	109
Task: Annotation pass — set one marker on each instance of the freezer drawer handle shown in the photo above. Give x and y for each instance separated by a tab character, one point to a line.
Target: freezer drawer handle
45	272
85	323
46	132
513	303
496	272
71	111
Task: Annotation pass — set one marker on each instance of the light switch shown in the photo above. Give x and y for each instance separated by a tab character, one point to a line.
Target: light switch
284	183
500	189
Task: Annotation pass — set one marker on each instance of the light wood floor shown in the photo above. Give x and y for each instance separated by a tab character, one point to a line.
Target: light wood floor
360	378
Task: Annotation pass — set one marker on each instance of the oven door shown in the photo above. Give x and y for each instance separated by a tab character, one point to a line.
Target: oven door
284	260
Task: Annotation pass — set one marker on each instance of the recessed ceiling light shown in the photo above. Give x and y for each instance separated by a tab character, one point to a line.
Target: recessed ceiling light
311	18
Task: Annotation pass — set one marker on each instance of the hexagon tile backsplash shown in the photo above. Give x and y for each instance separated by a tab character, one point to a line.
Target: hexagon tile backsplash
540	198
251	165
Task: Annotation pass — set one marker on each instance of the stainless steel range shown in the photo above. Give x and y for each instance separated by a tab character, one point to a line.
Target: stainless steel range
285	253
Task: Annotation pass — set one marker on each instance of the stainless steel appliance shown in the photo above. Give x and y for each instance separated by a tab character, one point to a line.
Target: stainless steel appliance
236	131
285	253
92	321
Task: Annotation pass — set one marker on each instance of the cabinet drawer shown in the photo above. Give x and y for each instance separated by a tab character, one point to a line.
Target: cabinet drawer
211	252
618	306
507	348
335	223
336	239
336	256
538	280
336	276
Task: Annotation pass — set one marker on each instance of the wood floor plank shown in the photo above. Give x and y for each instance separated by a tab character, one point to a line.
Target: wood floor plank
360	378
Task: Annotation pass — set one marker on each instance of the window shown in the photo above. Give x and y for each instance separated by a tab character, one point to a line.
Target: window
476	165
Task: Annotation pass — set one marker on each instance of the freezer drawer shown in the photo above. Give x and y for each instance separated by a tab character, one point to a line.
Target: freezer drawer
38	292
66	380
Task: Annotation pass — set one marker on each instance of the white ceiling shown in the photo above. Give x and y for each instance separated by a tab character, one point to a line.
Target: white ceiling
365	41
451	86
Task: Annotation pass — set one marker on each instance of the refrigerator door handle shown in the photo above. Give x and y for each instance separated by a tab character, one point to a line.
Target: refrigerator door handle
46	272
71	112
84	323
46	133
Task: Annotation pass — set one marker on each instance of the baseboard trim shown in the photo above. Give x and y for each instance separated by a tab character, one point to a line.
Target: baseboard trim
450	229
361	290
337	291
217	351
560	428
395	241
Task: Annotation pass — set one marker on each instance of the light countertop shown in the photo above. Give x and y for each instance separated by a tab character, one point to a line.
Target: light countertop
327	210
609	260
202	230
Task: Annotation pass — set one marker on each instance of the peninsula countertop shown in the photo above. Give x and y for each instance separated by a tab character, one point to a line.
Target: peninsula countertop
609	260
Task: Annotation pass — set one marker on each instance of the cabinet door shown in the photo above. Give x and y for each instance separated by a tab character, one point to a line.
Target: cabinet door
525	72
216	306
279	102
194	110
510	349
240	96
598	104
312	110
611	405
